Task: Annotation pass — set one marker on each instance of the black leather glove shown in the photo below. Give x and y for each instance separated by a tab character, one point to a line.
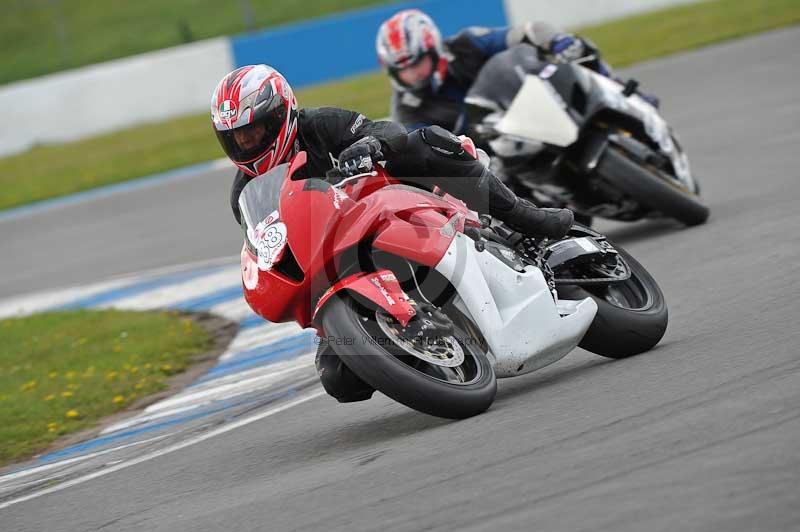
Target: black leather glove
565	48
360	156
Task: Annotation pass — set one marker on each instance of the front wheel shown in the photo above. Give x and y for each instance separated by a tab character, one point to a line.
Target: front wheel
631	315
451	378
649	188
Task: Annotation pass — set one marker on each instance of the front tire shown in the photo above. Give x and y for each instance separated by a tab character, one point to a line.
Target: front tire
651	189
377	359
631	315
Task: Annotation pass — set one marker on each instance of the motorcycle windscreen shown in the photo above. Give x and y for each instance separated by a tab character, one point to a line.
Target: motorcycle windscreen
501	77
259	205
538	113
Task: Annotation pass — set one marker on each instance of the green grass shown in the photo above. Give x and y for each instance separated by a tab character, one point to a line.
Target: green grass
55	170
42	36
50	171
60	372
685	27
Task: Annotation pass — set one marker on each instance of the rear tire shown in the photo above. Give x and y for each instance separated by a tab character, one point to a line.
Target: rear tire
650	188
631	315
382	363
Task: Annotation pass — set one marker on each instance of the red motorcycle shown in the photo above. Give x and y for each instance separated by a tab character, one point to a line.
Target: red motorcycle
426	301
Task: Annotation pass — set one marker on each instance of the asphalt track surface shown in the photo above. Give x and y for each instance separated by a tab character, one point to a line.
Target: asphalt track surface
699	434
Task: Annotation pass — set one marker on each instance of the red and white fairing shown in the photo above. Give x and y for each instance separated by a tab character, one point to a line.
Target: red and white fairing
299	270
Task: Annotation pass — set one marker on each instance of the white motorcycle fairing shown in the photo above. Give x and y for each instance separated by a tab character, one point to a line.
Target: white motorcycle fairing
539	113
515	311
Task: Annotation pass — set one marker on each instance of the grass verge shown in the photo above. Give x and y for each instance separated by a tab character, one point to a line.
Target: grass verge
50	171
39	37
60	372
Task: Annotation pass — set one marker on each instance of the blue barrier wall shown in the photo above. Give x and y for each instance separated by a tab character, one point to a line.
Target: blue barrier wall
344	45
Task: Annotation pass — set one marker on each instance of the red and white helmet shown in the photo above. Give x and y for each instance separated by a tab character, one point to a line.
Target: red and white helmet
405	39
254	112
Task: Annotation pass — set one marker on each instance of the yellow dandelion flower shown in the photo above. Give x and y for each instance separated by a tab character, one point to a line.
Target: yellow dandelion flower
71	374
53	374
72	414
118	399
49	397
134	369
111	375
52	425
66	394
28	386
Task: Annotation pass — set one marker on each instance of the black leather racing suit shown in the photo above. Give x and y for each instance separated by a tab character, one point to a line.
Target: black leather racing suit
426	157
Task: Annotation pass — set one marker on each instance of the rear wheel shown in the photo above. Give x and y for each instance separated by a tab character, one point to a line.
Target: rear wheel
631	315
450	378
650	188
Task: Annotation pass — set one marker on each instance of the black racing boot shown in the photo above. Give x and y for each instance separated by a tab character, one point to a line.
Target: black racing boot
531	220
434	151
520	214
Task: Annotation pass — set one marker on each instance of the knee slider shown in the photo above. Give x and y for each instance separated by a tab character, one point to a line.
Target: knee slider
445	143
337	379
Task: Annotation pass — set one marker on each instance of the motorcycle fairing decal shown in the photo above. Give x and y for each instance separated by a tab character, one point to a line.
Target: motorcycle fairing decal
269	239
548	71
338	197
318	185
382	290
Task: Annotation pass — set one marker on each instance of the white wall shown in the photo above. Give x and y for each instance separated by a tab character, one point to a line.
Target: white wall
108	96
571	13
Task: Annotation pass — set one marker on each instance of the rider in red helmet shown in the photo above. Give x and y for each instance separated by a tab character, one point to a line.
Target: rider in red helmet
431	76
258	124
255	118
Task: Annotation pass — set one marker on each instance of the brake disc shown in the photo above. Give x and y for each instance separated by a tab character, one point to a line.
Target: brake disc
441	351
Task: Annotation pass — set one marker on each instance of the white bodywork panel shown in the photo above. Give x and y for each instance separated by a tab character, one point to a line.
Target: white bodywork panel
524	328
654	124
538	113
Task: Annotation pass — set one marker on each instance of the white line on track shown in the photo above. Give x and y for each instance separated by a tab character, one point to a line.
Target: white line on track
68	461
161	452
